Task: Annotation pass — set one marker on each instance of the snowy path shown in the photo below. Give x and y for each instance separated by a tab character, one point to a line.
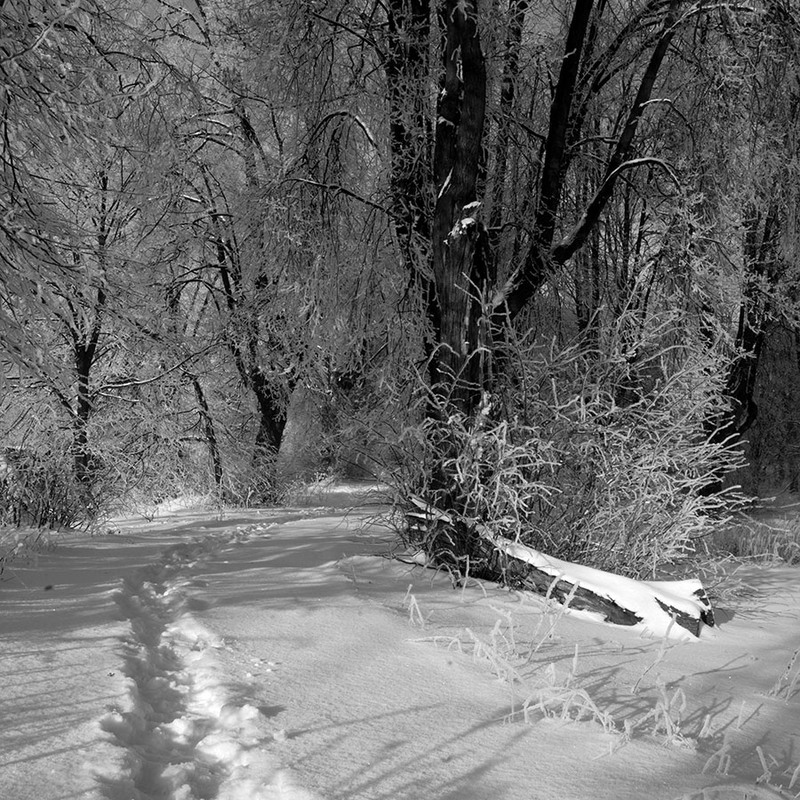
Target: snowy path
381	697
269	657
108	623
183	732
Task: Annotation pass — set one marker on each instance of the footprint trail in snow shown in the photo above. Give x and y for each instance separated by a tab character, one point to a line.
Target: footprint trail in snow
185	736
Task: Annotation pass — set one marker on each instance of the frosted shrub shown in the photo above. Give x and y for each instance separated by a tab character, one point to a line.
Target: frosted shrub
37	489
602	458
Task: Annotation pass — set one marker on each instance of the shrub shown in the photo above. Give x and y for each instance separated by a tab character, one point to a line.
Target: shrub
38	489
598	457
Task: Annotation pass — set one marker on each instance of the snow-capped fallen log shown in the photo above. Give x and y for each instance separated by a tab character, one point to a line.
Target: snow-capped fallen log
677	609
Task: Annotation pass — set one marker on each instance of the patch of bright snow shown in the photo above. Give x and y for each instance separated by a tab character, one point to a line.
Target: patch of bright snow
279	656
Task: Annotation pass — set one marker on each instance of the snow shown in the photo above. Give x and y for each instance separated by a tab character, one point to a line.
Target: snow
638	596
278	655
654	603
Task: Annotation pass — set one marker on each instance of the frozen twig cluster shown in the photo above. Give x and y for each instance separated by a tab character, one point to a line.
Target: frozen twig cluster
587	462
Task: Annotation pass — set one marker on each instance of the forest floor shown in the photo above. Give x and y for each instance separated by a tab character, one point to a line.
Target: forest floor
279	655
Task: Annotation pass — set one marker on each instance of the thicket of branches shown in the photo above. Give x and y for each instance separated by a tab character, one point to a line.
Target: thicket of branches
601	456
534	265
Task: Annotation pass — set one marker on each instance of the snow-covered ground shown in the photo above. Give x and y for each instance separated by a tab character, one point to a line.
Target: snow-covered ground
277	655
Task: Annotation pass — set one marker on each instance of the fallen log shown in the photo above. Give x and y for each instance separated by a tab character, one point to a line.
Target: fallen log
661	608
677	609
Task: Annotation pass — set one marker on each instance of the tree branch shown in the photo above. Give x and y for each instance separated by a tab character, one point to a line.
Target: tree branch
555	147
334	187
145	381
578	235
542	257
565	249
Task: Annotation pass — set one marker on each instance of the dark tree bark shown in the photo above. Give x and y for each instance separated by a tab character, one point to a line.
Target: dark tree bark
587	263
245	329
459	242
458	289
527	279
472	550
406	64
209	431
441	237
86	330
407	67
243	345
761	239
517	10
84	351
762	232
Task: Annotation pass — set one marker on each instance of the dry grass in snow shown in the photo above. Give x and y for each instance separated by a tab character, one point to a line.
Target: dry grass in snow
279	656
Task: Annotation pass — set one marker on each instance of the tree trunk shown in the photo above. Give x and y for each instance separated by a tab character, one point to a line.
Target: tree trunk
210	435
272	413
85	336
406	64
664	608
243	344
760	247
460	247
508	86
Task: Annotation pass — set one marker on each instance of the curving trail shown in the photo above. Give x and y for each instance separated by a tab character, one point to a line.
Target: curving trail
273	654
185	730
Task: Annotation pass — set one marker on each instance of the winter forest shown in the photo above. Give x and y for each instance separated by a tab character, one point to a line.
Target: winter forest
505	253
521	273
532	264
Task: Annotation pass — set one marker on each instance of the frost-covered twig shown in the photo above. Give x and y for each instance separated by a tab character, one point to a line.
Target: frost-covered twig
787	684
